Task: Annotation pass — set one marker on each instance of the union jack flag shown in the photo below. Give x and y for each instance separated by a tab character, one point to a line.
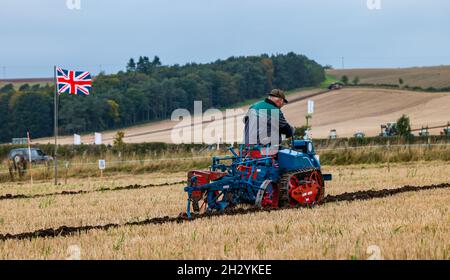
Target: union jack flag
73	82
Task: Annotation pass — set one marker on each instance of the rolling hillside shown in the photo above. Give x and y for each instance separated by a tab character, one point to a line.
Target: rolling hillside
437	76
347	110
31	81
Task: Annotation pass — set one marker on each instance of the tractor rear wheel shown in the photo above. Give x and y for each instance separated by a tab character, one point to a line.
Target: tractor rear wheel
301	187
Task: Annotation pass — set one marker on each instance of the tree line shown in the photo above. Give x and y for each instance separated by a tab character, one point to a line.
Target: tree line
147	90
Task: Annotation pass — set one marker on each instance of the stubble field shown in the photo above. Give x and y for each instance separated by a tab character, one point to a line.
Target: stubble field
407	225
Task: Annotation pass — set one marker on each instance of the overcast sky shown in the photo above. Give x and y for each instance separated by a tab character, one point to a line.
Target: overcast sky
104	34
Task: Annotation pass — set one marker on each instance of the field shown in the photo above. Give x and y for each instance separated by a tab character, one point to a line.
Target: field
437	76
383	203
347	110
407	225
32	81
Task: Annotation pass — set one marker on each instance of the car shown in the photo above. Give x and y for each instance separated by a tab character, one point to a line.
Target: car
332	134
37	155
359	134
335	86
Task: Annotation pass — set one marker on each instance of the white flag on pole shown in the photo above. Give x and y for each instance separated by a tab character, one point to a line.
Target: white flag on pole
310	106
76	139
98	138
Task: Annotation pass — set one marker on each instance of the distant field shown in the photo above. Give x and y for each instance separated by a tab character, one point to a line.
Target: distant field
32	81
347	110
409	225
437	76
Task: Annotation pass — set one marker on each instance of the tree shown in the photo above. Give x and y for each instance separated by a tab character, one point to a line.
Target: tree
344	79
8	88
24	87
118	139
5	132
113	110
404	126
149	91
355	81
400	81
156	61
32	111
131	66
143	65
301	131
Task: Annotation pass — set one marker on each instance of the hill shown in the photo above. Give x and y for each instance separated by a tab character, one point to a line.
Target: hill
149	91
437	76
31	81
346	110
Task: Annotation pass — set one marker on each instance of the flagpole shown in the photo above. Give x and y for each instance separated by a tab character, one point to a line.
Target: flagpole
29	155
55	160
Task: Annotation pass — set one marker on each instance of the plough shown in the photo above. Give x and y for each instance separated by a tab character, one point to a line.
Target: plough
257	175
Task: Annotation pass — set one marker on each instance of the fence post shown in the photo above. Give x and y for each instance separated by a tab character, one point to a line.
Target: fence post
66	165
389	155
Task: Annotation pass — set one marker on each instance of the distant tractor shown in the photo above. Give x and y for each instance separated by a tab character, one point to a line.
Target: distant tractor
447	131
389	129
336	85
359	134
424	131
332	134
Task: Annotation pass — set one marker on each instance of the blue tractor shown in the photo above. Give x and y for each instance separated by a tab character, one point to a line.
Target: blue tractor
256	176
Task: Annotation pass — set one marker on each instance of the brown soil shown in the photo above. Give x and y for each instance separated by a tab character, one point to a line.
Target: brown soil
129	187
352	196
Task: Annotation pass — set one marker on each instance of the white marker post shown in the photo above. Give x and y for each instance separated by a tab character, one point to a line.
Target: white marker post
76	139
101	166
29	156
308	117
310	106
98	139
218	142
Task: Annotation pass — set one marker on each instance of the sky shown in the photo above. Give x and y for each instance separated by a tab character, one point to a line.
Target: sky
102	35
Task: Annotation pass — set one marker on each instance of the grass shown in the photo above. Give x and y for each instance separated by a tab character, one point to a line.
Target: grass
329	79
83	167
437	76
397	225
384	155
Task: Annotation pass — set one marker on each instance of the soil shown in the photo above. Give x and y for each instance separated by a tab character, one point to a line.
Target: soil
347	196
129	187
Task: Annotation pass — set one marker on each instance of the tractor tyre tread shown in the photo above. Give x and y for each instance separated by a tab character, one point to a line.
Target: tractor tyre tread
283	199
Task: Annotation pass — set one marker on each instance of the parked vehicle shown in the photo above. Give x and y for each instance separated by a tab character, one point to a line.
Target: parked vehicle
19	159
37	155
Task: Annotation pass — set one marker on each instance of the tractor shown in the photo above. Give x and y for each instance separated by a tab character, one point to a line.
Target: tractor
424	131
389	129
446	131
254	175
332	134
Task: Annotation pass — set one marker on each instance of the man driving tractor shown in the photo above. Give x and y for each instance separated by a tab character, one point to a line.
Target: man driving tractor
265	123
263	173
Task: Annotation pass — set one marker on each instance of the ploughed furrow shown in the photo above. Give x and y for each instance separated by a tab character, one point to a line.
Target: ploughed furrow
352	196
129	187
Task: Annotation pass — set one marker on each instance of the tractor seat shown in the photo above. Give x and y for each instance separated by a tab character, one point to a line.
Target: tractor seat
259	152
